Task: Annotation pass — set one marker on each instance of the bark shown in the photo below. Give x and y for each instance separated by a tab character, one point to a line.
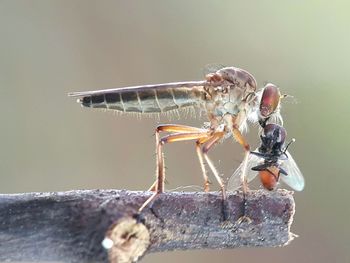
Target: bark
70	226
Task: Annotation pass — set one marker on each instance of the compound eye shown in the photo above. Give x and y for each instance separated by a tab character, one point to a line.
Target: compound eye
269	100
270	129
275	132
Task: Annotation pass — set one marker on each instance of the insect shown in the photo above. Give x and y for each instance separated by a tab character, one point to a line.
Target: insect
228	97
271	161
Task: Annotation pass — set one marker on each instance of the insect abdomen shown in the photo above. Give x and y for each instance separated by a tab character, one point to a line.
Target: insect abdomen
143	101
269	177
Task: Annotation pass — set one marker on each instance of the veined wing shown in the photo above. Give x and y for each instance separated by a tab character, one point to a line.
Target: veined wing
234	182
294	178
155	98
185	84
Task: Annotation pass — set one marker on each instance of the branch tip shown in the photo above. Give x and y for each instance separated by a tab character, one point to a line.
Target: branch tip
127	240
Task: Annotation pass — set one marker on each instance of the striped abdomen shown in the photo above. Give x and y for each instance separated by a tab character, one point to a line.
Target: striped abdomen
144	101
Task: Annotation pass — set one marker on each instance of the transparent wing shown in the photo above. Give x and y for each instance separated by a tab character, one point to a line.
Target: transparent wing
294	178
185	84
235	180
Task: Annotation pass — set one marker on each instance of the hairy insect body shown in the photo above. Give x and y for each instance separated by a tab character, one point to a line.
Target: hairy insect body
228	96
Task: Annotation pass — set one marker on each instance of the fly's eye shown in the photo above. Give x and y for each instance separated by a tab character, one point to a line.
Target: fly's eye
269	100
270	129
275	132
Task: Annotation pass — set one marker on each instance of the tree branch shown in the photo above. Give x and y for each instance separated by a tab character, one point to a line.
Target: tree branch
70	226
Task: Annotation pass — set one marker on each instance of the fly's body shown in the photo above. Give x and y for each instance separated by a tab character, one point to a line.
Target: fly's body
229	91
229	98
271	161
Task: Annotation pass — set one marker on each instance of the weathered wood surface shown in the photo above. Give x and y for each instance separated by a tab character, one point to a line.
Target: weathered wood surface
70	226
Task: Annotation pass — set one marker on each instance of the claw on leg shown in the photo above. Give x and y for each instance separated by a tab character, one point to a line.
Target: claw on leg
206	187
139	218
244	218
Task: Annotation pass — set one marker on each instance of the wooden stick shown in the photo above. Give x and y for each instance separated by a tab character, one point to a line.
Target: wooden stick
70	226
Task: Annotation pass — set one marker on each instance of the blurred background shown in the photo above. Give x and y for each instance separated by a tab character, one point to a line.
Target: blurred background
50	143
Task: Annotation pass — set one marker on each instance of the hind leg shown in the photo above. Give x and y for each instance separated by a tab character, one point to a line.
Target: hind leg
180	133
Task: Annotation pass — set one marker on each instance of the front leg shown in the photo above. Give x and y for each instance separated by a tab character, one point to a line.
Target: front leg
237	135
242	141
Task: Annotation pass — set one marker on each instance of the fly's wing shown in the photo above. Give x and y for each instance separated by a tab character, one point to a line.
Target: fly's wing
234	182
294	178
185	84
156	98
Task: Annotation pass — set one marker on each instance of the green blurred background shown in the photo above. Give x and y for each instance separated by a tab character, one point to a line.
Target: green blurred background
49	143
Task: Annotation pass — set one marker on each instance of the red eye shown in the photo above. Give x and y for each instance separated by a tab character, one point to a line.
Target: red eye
269	100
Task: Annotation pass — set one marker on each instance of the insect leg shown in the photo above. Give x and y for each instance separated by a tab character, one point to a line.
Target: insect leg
178	128
282	171
169	139
242	141
261	167
184	133
153	187
199	143
171	128
181	129
208	144
201	162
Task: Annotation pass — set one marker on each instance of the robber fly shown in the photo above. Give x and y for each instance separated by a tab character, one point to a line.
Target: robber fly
228	96
271	161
